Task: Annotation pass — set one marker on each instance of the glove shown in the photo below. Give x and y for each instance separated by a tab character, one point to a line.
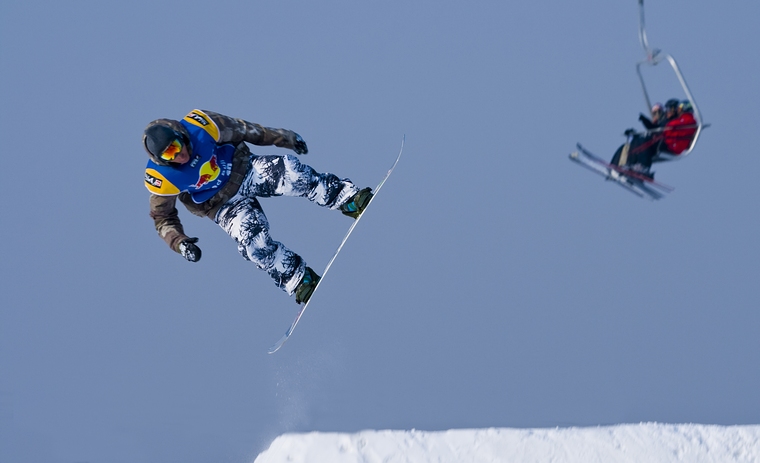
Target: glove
629	132
189	250
300	146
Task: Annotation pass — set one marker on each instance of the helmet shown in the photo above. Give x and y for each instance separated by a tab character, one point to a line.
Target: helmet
158	136
685	106
657	108
672	104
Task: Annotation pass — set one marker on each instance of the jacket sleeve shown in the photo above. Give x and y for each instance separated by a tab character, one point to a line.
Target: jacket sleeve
163	211
232	130
648	124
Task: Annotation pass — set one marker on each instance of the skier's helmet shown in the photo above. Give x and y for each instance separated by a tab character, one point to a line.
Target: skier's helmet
672	104
685	107
157	138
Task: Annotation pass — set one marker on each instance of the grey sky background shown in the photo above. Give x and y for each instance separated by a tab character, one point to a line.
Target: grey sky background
493	283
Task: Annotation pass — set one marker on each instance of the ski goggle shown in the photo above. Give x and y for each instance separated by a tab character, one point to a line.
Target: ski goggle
172	150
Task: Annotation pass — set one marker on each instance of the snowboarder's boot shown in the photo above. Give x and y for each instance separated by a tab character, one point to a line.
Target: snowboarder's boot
356	205
307	286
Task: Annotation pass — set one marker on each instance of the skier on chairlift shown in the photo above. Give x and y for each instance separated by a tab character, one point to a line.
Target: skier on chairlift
640	149
679	130
670	130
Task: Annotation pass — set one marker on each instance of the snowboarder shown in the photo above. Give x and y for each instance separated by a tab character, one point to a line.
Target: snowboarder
204	161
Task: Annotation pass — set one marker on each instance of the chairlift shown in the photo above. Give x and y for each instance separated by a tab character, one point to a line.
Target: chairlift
638	182
654	57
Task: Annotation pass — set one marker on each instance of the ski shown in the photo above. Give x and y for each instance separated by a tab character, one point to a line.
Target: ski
302	307
633	181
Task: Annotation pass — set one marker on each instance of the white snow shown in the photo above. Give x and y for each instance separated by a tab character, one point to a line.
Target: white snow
634	443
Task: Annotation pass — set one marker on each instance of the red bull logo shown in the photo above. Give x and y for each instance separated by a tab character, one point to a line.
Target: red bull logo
209	171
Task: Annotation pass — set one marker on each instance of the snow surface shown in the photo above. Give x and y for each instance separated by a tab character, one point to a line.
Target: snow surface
635	443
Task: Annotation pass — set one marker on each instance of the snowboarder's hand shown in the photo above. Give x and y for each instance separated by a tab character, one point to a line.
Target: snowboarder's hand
189	250
300	146
629	132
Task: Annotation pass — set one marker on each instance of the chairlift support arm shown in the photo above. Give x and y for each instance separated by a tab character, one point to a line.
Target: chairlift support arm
653	57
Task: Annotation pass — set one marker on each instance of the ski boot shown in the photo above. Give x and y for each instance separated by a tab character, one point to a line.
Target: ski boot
307	286
643	170
356	205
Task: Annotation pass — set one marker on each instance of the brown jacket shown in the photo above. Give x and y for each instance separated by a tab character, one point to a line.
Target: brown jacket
236	131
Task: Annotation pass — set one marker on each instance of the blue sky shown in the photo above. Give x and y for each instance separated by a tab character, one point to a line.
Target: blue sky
494	283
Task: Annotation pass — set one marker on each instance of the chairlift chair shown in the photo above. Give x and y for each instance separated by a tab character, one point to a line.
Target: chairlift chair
654	57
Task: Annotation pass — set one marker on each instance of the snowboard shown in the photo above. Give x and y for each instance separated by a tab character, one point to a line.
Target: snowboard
302	307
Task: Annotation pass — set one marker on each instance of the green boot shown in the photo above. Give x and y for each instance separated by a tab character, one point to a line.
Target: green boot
307	286
356	205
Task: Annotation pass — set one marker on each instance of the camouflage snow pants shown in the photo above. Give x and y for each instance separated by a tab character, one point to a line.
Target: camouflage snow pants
243	218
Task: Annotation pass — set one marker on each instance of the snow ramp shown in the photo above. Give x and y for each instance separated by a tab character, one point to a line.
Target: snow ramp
634	443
